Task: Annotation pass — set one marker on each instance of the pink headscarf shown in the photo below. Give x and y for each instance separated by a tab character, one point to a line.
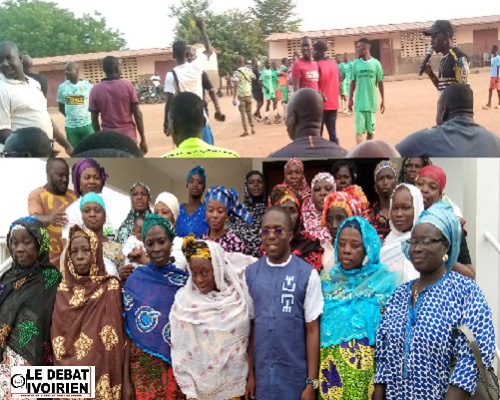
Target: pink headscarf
304	189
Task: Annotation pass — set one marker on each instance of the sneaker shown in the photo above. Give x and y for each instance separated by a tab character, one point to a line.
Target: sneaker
267	122
257	118
497	107
277	119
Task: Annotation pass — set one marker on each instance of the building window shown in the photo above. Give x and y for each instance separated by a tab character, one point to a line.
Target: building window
415	44
293	46
92	70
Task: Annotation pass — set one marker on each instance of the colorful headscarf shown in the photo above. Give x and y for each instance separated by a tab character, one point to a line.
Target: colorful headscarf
354	298
92	198
282	193
386	164
82	165
402	172
441	215
157	220
304	189
434	172
193	248
352	200
170	201
229	197
199	321
127	226
27	299
198	170
312	217
87	323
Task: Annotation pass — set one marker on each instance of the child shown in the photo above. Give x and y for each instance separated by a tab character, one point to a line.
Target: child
134	248
268	79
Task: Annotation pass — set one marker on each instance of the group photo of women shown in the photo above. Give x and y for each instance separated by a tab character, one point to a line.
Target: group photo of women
340	280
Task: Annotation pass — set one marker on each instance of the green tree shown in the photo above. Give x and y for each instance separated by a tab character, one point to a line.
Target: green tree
184	12
42	29
276	16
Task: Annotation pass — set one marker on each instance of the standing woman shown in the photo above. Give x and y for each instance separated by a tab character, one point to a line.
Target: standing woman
210	323
221	203
256	204
148	296
355	293
407	204
140	196
417	339
386	178
345	174
87	323
295	178
27	294
192	216
322	185
410	168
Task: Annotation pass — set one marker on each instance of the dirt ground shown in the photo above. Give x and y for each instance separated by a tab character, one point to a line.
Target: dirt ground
410	106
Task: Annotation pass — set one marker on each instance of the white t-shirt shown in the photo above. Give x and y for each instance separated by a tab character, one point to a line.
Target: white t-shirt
156	80
23	105
189	76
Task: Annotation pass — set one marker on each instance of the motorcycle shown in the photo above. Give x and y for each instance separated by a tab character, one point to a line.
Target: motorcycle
150	95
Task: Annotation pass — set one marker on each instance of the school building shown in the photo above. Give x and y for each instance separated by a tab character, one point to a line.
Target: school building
136	65
399	47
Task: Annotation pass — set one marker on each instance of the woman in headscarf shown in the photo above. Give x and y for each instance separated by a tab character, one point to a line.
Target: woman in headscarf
407	204
140	197
410	168
432	181
88	177
94	213
386	178
87	323
192	216
345	174
322	185
338	207
27	294
295	178
221	203
210	323
148	296
418	339
256	203
302	245
355	293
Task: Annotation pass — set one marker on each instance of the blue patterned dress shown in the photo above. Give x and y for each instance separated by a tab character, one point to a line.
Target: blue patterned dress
415	344
196	223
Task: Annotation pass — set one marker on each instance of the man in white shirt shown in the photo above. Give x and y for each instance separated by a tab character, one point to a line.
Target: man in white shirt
156	80
186	77
22	103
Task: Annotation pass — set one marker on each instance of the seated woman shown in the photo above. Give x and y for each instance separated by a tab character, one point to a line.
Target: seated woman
220	204
322	185
410	168
295	178
27	293
192	216
417	339
140	197
407	204
93	212
148	296
355	293
432	181
87	323
210	323
338	207
345	174
302	245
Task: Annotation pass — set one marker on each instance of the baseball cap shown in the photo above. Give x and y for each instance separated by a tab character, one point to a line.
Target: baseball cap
440	25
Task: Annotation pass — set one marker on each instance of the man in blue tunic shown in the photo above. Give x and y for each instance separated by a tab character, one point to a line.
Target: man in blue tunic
287	303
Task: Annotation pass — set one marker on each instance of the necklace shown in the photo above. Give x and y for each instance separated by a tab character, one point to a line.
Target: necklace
417	292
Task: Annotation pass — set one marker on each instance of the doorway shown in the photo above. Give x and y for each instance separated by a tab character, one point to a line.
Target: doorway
483	39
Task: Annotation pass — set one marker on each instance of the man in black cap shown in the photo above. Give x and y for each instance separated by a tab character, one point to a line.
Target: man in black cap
454	66
456	133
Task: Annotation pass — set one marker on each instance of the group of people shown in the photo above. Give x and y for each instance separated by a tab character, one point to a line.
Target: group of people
306	293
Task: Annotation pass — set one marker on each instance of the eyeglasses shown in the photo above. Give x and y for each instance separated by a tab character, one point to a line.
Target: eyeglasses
277	231
423	243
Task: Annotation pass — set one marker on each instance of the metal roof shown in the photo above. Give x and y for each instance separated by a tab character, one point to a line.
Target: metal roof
415	26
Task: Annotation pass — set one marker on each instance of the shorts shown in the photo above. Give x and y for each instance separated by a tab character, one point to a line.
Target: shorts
284	93
257	95
345	87
364	122
493	84
76	135
269	95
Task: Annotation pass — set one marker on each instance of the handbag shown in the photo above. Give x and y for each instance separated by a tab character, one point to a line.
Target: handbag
488	387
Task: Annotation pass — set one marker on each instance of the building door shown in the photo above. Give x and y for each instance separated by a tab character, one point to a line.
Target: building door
375	49
54	79
386	56
162	67
483	40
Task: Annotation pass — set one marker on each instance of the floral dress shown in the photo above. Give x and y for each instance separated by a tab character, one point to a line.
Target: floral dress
229	242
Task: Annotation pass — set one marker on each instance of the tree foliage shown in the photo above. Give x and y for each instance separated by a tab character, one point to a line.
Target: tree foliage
42	29
276	16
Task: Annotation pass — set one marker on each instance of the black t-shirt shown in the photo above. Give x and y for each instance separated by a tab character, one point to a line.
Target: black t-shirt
454	68
464	256
310	147
205	82
255	82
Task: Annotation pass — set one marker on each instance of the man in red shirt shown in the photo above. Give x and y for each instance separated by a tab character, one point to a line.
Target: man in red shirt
329	88
305	71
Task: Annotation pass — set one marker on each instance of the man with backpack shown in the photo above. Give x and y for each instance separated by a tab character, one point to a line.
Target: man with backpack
242	97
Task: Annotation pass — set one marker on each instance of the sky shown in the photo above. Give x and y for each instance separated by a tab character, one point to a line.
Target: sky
145	24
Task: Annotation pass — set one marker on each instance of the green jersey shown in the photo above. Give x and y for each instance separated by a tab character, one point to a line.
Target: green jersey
341	69
268	78
367	74
347	70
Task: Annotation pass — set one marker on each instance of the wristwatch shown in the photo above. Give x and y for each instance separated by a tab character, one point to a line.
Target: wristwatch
313	382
